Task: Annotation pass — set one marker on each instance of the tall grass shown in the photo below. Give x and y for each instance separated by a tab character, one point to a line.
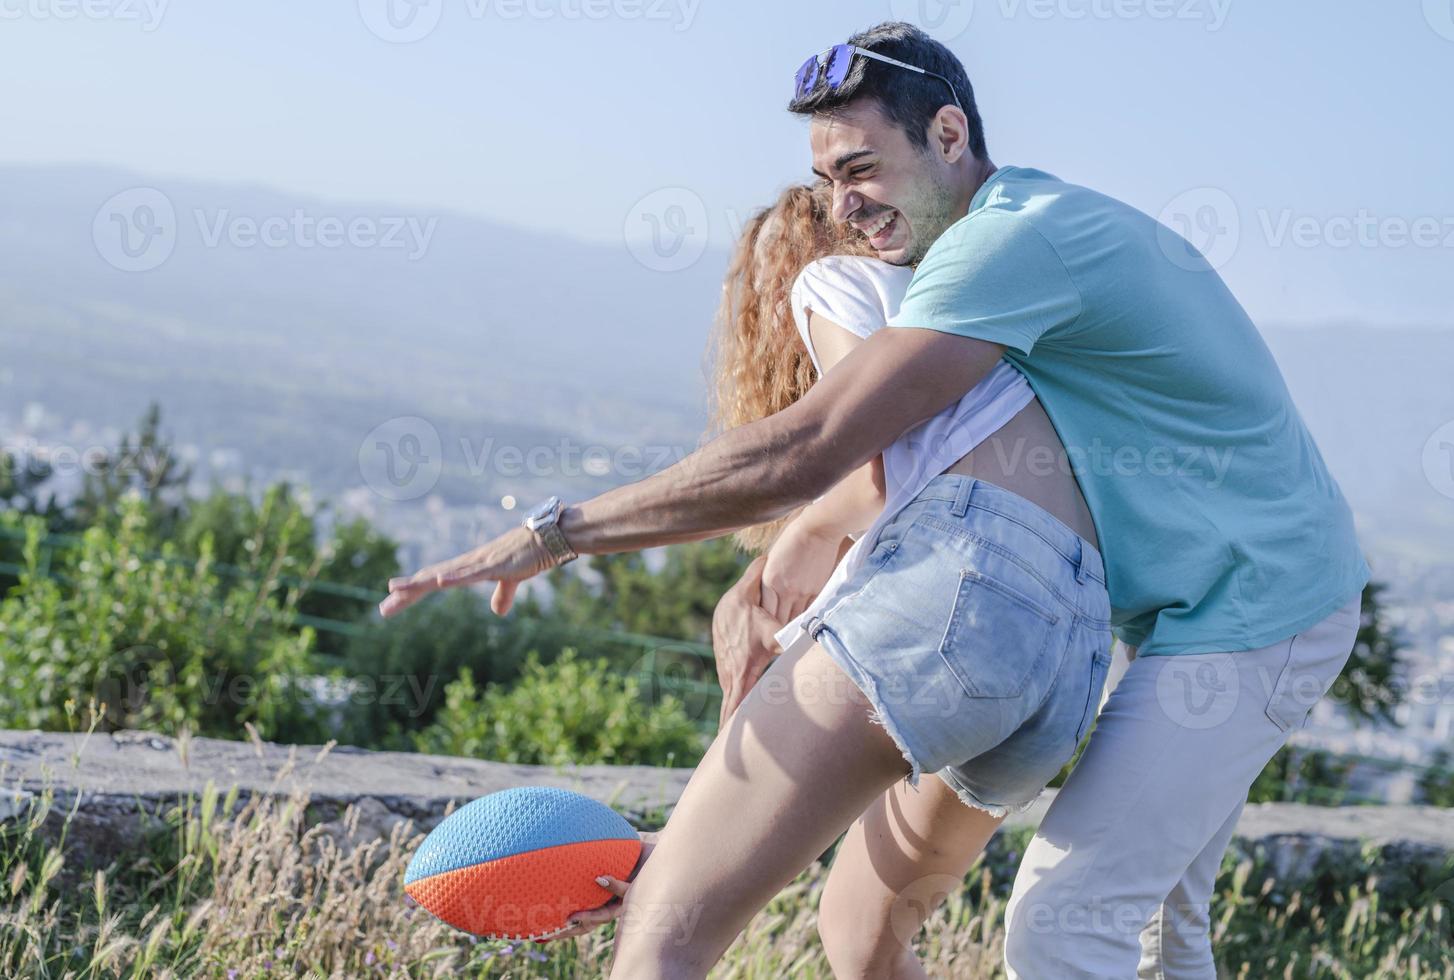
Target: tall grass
243	889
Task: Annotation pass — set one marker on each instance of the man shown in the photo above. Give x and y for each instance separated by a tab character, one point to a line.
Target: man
1230	553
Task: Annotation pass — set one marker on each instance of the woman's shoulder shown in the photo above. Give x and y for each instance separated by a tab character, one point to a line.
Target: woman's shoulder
854	271
857	292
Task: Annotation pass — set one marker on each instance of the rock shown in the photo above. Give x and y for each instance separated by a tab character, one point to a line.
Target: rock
123	783
14	803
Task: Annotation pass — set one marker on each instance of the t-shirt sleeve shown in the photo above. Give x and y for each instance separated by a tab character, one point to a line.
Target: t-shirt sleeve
991	276
838	292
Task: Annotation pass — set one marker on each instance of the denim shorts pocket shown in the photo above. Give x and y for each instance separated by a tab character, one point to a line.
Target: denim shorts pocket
1100	667
996	639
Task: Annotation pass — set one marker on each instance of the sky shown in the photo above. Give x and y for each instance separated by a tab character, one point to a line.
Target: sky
1305	147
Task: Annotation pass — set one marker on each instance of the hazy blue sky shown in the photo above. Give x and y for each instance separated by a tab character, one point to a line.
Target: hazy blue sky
1308	144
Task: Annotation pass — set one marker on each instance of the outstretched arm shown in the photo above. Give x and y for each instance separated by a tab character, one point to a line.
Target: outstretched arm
748	475
760	471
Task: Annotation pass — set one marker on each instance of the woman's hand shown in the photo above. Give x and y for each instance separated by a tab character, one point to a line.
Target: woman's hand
508	560
580	923
744	640
798	566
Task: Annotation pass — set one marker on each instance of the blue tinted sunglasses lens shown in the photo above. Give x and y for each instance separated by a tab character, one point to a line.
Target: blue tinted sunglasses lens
840	59
807	76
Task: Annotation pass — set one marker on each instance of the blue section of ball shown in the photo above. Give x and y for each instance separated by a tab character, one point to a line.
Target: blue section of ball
514	821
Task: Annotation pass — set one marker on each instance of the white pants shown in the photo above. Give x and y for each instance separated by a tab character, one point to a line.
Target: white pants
1124	863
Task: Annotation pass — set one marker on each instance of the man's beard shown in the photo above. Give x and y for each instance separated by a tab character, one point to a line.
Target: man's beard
932	213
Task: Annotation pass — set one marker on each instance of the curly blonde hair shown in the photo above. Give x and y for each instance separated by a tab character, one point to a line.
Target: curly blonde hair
761	365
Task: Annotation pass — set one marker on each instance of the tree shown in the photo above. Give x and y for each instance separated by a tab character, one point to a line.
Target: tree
1368	686
145	463
153	640
1436	785
354	555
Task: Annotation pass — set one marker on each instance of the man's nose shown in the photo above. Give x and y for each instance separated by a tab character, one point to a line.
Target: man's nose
845	204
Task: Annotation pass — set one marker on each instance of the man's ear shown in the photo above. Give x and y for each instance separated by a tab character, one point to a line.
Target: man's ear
949	133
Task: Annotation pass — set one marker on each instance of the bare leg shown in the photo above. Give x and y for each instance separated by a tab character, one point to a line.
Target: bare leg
898	863
797	762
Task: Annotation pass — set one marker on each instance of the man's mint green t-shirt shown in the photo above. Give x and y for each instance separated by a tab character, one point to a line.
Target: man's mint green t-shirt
1219	523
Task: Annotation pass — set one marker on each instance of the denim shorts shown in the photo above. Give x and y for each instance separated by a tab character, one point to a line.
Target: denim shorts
978	628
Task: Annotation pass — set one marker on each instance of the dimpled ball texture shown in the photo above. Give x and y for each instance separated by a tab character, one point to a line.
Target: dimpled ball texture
515	864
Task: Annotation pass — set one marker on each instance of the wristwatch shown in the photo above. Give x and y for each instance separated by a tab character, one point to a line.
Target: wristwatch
544	520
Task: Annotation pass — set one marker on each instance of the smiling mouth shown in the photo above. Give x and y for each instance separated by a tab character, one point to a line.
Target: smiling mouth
881	229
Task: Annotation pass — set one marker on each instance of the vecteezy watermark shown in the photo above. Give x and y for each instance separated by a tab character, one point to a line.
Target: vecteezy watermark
147	13
138	229
1438	459
1198	691
947	19
667	230
1198	228
943	19
135	230
1364	229
1440	16
44	460
407	21
1203	690
401	459
1101	917
1203	227
567	458
401	21
680	671
1207	465
298	229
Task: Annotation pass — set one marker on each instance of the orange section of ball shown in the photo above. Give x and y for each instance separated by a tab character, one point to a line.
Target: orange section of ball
526	895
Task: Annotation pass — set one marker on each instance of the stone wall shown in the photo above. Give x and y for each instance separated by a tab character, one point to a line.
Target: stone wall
118	783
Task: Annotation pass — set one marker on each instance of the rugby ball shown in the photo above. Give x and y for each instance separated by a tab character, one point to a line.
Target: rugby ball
515	864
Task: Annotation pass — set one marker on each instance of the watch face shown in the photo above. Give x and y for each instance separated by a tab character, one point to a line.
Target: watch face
541	512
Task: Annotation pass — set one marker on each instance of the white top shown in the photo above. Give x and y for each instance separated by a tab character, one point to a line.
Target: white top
860	294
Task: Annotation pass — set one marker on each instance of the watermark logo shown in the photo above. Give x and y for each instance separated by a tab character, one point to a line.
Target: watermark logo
407	21
666	231
1199	227
401	459
1439	459
1362	230
147	13
913	906
1440	16
947	19
943	19
678	671
135	230
1198	691
302	230
401	21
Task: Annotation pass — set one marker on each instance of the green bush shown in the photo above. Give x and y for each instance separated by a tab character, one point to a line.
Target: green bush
406	662
159	641
572	711
1436	785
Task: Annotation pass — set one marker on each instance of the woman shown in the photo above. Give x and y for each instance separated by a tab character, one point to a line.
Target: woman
800	294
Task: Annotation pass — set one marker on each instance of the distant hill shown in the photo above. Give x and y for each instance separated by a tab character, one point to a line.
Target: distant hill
290	355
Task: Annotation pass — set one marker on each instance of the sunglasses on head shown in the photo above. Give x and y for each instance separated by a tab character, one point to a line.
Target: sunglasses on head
831	68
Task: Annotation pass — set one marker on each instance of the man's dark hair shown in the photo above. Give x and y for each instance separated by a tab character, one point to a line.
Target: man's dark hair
906	98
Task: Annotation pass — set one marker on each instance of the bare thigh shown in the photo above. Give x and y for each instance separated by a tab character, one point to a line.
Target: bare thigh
798	761
898	862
